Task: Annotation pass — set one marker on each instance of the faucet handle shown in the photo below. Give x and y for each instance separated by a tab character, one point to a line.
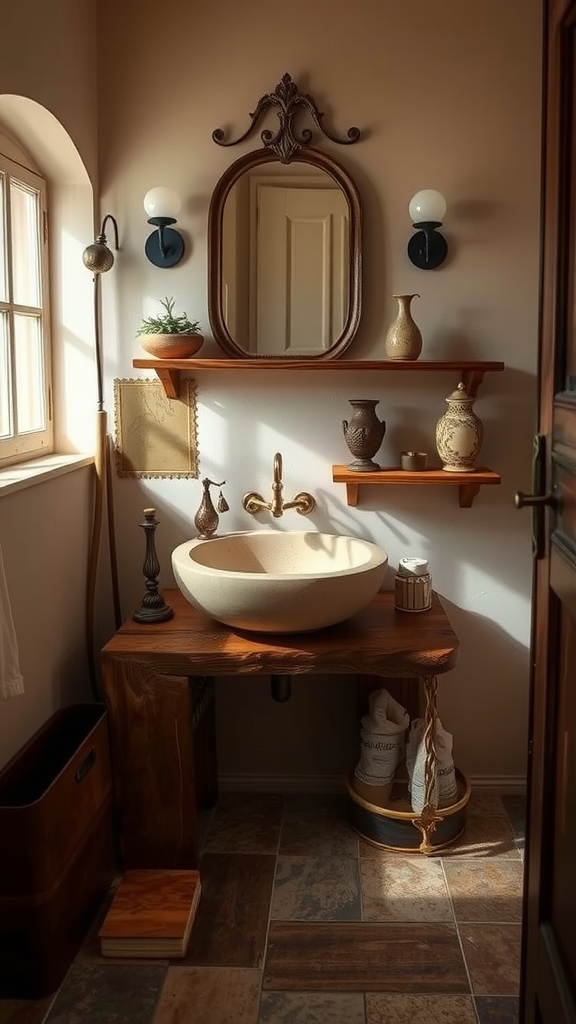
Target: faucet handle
303	502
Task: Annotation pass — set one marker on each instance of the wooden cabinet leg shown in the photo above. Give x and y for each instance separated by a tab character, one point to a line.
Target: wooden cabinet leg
151	730
204	738
426	821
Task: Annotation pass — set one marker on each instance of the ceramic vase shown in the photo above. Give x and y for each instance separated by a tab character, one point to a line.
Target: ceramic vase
459	433
403	340
363	434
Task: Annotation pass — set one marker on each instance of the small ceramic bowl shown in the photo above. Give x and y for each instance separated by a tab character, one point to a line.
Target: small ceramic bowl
413	461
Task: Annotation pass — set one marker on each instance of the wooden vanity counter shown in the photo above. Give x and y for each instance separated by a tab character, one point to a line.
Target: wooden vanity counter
157	686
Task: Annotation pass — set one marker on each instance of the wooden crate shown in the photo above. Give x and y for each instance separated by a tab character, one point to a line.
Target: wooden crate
56	854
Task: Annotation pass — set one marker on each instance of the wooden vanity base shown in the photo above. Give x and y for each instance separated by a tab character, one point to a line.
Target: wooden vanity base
156	680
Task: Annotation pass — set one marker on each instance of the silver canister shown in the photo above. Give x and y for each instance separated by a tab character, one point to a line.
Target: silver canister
413	585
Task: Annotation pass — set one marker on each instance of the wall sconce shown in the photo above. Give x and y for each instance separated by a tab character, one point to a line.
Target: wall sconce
164	247
98	257
427	249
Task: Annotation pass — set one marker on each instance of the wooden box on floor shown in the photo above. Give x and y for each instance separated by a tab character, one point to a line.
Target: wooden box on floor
56	848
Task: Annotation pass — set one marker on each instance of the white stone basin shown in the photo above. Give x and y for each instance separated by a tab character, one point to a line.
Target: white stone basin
274	582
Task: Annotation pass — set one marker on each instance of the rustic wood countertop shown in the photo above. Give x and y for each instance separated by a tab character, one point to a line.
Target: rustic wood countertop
379	640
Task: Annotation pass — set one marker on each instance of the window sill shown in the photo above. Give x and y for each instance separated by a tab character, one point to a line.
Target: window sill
36	471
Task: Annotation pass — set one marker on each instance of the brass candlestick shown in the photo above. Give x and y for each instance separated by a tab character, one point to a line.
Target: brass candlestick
153	607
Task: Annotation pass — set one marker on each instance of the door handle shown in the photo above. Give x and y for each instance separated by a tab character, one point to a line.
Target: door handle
540	499
522	500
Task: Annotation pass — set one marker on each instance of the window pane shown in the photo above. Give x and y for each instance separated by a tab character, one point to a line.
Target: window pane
5	401
29	373
3	267
25	223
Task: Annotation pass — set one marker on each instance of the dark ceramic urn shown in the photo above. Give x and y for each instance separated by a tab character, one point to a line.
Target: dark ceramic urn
363	434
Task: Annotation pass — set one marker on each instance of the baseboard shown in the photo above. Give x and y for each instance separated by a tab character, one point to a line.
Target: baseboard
243	783
496	785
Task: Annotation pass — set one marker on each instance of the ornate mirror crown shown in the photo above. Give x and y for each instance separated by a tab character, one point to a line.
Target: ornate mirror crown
287	101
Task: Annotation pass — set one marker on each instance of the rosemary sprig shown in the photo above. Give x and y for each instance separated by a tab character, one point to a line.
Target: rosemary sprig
169	323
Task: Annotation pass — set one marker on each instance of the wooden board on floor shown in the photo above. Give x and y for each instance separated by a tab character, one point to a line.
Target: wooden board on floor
377	957
151	914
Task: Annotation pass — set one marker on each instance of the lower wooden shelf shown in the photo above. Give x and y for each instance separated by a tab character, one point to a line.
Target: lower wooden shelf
468	483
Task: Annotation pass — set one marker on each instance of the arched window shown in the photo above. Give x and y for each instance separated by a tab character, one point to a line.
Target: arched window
26	422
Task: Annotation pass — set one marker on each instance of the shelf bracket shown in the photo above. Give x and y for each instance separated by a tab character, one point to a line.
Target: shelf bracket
170	380
468	483
352	492
466	494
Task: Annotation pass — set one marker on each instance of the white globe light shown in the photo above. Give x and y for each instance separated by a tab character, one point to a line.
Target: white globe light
427	205
162	202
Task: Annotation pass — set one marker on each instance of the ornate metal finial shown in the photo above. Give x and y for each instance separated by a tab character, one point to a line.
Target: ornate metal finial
286	100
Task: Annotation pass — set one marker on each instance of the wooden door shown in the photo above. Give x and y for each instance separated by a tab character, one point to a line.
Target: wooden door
548	986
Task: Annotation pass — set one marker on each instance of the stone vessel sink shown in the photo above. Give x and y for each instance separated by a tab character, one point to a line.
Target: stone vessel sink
268	581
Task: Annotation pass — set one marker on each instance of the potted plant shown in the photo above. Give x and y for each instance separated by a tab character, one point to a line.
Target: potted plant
170	335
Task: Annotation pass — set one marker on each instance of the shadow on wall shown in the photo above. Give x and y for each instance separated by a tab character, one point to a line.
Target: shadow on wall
490	691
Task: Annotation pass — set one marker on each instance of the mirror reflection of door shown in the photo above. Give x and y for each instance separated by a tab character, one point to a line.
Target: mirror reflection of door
299	305
285	263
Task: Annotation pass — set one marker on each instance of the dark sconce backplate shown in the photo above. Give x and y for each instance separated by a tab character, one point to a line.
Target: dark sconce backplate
164	247
427	249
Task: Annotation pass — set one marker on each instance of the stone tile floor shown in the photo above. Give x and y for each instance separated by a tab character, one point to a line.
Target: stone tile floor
303	922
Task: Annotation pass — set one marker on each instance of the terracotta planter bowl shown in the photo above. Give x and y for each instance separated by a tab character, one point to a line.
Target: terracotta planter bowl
171	346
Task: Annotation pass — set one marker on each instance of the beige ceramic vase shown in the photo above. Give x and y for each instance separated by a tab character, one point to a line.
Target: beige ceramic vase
403	340
459	433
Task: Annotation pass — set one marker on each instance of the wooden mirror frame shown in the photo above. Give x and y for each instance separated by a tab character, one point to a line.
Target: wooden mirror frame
285	146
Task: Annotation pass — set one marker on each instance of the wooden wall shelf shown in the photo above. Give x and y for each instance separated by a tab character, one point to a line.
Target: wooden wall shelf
169	370
471	373
468	483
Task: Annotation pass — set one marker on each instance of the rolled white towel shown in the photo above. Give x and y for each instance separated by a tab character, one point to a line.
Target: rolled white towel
386	714
445	789
381	739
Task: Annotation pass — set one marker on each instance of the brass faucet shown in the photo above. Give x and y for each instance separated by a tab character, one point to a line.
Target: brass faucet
303	502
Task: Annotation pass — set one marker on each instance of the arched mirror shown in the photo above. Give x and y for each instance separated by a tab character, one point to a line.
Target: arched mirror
284	243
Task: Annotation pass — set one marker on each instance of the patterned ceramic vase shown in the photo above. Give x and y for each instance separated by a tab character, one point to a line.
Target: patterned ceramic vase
459	433
403	340
363	434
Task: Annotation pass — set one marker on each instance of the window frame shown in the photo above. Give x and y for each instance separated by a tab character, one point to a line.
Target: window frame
36	443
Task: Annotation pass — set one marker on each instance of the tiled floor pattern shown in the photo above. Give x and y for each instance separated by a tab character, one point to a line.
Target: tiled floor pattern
303	922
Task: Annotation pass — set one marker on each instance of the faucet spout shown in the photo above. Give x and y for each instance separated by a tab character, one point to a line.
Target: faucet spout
303	502
277	487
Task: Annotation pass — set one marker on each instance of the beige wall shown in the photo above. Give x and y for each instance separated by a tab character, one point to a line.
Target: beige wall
48	100
47	53
447	95
44	542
